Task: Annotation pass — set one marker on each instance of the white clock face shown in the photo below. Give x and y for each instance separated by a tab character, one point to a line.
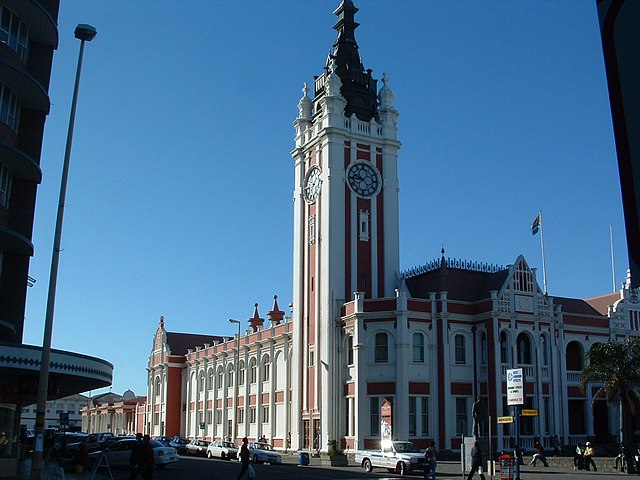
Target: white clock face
312	184
364	179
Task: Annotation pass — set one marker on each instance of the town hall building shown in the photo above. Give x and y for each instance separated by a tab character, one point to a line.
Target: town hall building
428	343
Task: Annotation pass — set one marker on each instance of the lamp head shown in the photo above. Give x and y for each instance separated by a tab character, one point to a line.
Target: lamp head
231	320
85	32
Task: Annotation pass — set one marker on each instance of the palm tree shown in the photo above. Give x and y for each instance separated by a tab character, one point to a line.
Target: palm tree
616	366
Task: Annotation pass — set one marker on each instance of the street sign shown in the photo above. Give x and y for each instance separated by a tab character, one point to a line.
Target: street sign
515	387
202	426
529	413
505	419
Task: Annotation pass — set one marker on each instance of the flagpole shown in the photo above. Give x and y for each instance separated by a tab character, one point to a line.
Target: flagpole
613	263
544	262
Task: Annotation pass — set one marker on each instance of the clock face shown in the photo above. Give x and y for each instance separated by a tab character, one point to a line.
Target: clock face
364	179
312	184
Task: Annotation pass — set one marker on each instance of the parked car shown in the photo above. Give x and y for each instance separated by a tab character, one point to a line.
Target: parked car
263	452
224	450
119	452
197	448
163	440
401	457
180	444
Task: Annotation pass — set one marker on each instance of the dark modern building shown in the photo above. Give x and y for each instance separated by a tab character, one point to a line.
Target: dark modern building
28	38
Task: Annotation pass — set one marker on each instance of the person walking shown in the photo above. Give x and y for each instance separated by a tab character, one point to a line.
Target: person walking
589	453
147	458
430	454
136	458
476	462
245	457
578	458
539	455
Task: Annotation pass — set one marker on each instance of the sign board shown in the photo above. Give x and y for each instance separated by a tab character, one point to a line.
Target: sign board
505	419
515	387
202	426
529	413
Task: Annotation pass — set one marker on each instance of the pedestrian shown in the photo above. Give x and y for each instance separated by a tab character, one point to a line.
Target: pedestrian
4	441
136	458
245	457
589	453
431	463
476	461
147	458
578	458
621	459
539	455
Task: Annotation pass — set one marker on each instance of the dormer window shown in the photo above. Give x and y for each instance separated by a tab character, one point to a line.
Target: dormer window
13	32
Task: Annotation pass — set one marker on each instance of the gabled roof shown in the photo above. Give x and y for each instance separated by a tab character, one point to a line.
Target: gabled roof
576	306
463	281
602	303
179	343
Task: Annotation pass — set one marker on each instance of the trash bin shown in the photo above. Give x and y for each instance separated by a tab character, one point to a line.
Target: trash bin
507	466
303	458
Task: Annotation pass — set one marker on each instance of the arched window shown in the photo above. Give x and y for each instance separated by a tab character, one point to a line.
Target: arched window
201	381
252	370
504	348
461	349
574	357
210	379
544	350
230	374
382	348
266	368
524	349
156	387
220	375
350	350
483	348
241	373
418	347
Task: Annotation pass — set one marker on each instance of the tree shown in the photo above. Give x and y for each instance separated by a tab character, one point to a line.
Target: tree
616	366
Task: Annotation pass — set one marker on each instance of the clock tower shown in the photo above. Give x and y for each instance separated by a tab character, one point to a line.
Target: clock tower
346	236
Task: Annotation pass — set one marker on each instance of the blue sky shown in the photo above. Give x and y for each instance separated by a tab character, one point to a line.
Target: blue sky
180	190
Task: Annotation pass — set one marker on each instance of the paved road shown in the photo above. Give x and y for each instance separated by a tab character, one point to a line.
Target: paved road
189	468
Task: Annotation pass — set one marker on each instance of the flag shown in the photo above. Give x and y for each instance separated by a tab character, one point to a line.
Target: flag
535	226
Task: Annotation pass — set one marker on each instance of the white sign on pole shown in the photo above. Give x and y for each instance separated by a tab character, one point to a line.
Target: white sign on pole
515	387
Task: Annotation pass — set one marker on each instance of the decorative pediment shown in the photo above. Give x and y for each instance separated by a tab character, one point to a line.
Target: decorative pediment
521	292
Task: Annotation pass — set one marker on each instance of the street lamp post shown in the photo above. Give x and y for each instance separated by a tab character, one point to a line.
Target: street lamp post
235	396
84	33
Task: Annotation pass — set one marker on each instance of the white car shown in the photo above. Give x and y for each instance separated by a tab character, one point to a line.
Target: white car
224	450
119	453
263	452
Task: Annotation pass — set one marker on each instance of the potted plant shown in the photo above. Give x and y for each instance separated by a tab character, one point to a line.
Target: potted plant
335	456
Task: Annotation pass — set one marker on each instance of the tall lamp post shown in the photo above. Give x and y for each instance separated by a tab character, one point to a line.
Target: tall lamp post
235	385
84	33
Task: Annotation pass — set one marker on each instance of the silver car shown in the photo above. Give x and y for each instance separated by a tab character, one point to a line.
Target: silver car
263	453
224	450
118	453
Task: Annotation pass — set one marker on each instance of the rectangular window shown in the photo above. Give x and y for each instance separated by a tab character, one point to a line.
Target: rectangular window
382	349
252	414
424	415
461	416
312	358
460	350
412	416
364	226
209	417
265	413
240	415
218	417
374	407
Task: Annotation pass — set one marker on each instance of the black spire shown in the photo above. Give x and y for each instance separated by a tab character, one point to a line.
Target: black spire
359	89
